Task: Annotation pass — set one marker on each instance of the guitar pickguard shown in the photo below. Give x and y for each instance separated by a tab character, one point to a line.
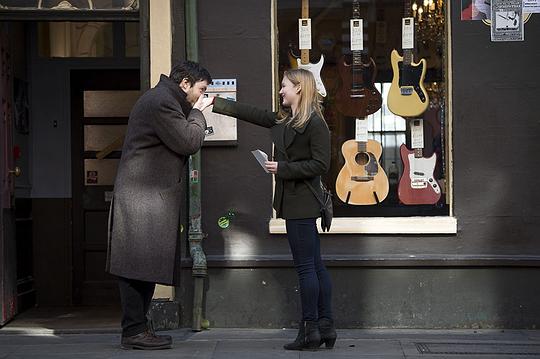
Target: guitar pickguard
409	79
315	69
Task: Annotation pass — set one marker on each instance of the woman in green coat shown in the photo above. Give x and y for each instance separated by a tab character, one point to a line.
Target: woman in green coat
302	153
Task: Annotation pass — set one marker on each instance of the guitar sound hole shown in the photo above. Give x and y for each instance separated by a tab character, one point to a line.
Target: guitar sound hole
362	158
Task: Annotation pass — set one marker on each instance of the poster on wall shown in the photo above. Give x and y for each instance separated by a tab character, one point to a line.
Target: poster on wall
221	129
475	10
531	6
507	20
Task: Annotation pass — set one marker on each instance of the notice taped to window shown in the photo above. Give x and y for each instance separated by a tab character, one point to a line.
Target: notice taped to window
507	20
221	127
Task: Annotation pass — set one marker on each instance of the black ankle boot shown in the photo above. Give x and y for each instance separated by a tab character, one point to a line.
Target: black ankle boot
308	337
328	332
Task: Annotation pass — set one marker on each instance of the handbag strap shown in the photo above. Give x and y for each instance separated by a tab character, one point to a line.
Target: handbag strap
314	192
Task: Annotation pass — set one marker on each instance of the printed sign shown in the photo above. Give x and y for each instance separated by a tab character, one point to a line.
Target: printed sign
357	34
220	127
506	20
304	34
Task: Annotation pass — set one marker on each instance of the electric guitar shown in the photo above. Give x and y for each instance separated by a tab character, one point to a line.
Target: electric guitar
303	61
357	96
362	181
417	184
407	96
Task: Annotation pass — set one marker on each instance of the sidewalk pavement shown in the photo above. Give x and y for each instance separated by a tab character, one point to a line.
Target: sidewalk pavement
267	343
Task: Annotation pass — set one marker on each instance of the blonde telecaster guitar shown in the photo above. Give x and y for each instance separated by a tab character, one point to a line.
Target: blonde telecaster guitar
407	96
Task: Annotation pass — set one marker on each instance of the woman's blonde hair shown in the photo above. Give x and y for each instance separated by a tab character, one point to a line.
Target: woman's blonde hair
309	99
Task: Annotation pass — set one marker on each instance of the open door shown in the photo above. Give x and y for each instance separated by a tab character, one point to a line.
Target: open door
8	265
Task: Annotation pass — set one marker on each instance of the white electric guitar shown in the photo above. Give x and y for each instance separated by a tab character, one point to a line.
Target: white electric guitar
303	61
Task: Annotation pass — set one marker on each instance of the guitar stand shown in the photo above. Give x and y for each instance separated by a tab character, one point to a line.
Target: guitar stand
348	197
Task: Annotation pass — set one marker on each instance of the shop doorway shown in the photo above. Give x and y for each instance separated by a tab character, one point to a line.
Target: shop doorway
54	216
101	102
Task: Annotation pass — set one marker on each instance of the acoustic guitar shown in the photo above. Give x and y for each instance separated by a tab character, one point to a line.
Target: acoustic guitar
417	184
362	180
407	96
357	95
303	61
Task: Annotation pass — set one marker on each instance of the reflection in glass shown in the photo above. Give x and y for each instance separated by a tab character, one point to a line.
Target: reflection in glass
132	39
124	5
75	39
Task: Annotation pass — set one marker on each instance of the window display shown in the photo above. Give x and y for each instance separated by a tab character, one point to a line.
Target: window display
380	71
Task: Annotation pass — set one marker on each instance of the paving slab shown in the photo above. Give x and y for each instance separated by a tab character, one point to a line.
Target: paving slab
268	343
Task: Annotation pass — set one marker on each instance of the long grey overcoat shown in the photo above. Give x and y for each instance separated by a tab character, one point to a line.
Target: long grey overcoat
162	132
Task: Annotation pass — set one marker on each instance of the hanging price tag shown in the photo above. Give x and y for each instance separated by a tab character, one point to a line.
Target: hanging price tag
357	34
407	31
304	34
361	130
417	133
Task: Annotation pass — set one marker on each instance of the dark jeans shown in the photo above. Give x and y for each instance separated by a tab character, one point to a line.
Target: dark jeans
136	297
315	283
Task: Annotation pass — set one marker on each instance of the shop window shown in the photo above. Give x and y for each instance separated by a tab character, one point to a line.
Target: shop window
109	103
132	39
371	107
75	39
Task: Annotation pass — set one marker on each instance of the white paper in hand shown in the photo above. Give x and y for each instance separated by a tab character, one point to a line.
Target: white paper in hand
261	157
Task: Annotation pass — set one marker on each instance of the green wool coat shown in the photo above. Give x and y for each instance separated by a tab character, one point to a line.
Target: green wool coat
302	154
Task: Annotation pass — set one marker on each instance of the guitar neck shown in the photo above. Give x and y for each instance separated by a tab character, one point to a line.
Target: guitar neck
304	53
362	146
418	152
407	53
304	56
407	57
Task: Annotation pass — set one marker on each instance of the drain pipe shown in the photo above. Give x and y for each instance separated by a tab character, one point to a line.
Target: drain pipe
199	270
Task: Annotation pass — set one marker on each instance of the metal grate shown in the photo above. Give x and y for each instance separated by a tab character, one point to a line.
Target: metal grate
478	348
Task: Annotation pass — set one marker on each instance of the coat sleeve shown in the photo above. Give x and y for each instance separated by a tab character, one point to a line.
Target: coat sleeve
244	112
320	156
182	135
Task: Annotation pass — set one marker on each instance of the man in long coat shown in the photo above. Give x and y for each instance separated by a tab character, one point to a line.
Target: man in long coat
165	126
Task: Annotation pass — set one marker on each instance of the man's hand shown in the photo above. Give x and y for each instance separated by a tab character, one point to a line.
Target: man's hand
271	166
203	102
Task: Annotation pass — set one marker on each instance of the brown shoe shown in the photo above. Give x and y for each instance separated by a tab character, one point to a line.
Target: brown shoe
146	341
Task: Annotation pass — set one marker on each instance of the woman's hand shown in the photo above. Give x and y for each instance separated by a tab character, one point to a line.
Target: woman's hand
203	102
271	166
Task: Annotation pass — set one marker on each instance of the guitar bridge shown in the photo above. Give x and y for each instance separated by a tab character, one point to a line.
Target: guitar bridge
361	178
406	90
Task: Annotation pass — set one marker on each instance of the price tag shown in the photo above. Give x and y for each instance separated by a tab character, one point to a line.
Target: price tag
417	133
357	34
304	34
407	31
361	130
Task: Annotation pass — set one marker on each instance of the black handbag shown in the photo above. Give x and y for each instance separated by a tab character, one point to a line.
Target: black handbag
327	210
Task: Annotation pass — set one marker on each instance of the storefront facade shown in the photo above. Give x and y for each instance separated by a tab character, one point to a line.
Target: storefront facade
468	259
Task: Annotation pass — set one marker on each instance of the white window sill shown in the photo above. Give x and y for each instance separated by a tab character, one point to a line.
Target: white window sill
381	225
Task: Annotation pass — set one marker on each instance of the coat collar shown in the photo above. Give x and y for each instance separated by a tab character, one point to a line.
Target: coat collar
284	134
175	90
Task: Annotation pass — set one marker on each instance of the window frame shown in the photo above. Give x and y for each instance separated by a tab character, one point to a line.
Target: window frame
383	225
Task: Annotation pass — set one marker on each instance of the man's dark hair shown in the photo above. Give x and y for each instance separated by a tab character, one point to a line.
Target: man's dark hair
191	71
